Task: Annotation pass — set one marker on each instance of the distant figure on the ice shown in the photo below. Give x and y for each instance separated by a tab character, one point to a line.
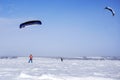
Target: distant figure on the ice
61	59
30	58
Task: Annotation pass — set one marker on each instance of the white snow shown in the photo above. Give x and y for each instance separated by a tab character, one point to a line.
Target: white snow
54	69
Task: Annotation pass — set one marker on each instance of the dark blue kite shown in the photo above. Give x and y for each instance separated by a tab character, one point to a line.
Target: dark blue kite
22	25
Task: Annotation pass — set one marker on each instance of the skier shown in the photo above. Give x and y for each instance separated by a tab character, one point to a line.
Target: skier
61	59
30	58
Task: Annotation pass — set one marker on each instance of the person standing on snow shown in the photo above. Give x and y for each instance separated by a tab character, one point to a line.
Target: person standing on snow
30	58
61	59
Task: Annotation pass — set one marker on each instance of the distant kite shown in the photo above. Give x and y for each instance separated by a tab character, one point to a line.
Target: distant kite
33	22
110	9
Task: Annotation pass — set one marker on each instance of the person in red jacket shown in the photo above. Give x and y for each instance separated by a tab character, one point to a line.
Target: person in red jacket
30	58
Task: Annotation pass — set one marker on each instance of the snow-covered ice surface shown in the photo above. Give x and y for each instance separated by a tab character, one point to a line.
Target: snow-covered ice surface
54	69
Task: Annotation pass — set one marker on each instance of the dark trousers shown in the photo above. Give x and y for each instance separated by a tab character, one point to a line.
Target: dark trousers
30	60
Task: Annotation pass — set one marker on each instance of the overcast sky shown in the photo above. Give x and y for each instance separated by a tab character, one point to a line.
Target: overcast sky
70	28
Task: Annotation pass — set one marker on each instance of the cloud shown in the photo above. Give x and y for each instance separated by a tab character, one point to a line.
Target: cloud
9	24
0	8
8	21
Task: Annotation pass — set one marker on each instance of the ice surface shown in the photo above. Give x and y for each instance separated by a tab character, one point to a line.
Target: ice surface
54	69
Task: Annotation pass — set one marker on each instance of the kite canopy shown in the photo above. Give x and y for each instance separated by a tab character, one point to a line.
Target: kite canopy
110	9
33	22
